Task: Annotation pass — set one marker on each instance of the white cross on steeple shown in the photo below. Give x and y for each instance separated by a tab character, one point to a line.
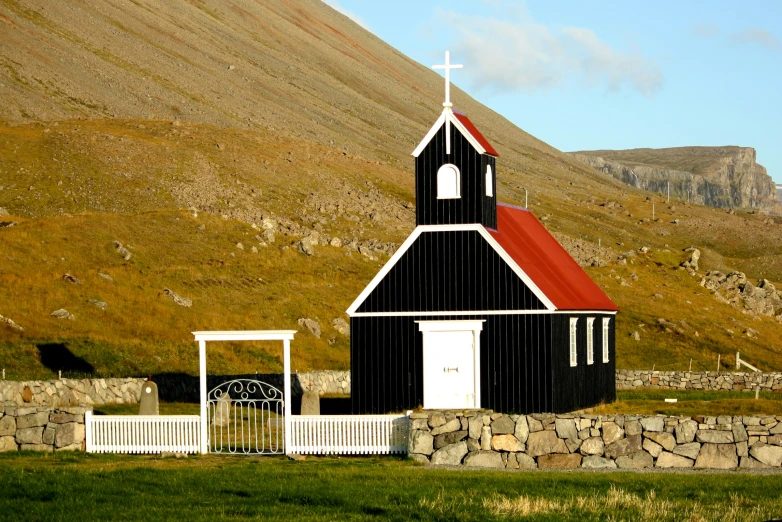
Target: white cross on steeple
447	66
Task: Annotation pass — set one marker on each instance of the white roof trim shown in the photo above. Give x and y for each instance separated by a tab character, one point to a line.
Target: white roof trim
517	269
385	270
420	229
447	114
245	335
483	312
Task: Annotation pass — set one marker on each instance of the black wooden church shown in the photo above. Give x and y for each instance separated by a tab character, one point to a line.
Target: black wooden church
480	307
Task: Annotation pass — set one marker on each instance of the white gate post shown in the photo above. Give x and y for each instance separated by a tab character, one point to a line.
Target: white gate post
286	356
203	432
88	431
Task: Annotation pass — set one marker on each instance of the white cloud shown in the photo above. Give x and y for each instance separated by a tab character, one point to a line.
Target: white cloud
758	36
335	5
750	35
511	51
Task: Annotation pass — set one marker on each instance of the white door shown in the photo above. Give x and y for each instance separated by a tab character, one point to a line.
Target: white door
449	370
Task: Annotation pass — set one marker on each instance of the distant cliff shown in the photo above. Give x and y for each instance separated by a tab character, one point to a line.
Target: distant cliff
714	176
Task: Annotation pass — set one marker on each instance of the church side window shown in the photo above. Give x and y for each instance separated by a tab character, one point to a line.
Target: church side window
448	182
573	348
606	321
489	182
590	340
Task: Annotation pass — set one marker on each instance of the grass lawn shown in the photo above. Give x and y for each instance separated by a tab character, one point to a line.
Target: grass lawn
637	402
692	402
90	487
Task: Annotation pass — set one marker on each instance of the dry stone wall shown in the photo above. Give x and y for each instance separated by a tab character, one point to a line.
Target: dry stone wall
635	379
181	388
542	441
41	428
71	392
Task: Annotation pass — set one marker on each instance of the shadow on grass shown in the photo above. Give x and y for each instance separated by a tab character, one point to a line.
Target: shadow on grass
58	358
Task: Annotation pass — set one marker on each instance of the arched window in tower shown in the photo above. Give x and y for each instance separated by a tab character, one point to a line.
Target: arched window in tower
448	182
489	182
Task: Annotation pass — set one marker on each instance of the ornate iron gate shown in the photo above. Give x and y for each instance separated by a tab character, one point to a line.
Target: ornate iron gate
246	417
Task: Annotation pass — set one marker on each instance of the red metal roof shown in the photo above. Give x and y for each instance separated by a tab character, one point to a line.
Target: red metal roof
544	260
464	120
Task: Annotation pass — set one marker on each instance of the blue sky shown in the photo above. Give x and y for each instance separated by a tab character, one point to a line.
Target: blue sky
596	74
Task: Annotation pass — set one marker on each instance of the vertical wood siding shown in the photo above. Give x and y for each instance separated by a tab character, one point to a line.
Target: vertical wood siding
474	206
386	362
450	271
584	385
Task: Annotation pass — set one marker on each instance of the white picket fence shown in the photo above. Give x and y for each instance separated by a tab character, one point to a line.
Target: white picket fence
348	435
141	433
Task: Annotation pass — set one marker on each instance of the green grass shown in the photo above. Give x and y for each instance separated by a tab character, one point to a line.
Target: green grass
166	408
89	487
692	402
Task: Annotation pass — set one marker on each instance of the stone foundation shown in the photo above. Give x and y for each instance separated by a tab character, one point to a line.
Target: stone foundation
542	441
737	381
41	428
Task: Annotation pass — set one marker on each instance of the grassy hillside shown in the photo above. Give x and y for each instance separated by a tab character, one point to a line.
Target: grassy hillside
155	142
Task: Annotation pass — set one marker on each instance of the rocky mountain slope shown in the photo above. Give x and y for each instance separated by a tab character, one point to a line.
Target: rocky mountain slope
725	177
253	159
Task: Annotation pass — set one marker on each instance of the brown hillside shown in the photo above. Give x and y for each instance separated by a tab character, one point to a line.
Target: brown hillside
185	129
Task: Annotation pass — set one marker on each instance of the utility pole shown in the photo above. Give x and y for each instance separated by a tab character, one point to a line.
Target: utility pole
652	211
526	201
669	192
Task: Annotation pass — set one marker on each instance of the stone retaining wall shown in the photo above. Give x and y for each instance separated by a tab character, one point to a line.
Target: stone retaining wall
494	440
179	388
41	428
635	379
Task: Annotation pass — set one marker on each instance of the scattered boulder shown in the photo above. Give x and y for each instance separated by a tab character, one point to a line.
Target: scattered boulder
305	246
71	279
8	224
341	326
178	299
100	304
62	313
311	325
692	263
121	250
10	323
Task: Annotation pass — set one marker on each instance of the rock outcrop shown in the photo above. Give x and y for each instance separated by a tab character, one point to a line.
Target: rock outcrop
723	177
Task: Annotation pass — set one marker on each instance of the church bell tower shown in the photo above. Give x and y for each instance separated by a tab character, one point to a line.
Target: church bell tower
455	169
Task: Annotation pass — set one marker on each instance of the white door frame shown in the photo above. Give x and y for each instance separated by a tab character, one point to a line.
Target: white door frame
474	326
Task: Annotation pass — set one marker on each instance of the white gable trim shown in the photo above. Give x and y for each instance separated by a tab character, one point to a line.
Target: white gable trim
453	120
420	229
484	312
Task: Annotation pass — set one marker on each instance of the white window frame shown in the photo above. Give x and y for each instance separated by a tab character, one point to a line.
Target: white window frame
445	175
590	340
606	323
573	341
489	182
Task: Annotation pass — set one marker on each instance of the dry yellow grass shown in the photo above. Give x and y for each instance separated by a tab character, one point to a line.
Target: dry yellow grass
97	181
